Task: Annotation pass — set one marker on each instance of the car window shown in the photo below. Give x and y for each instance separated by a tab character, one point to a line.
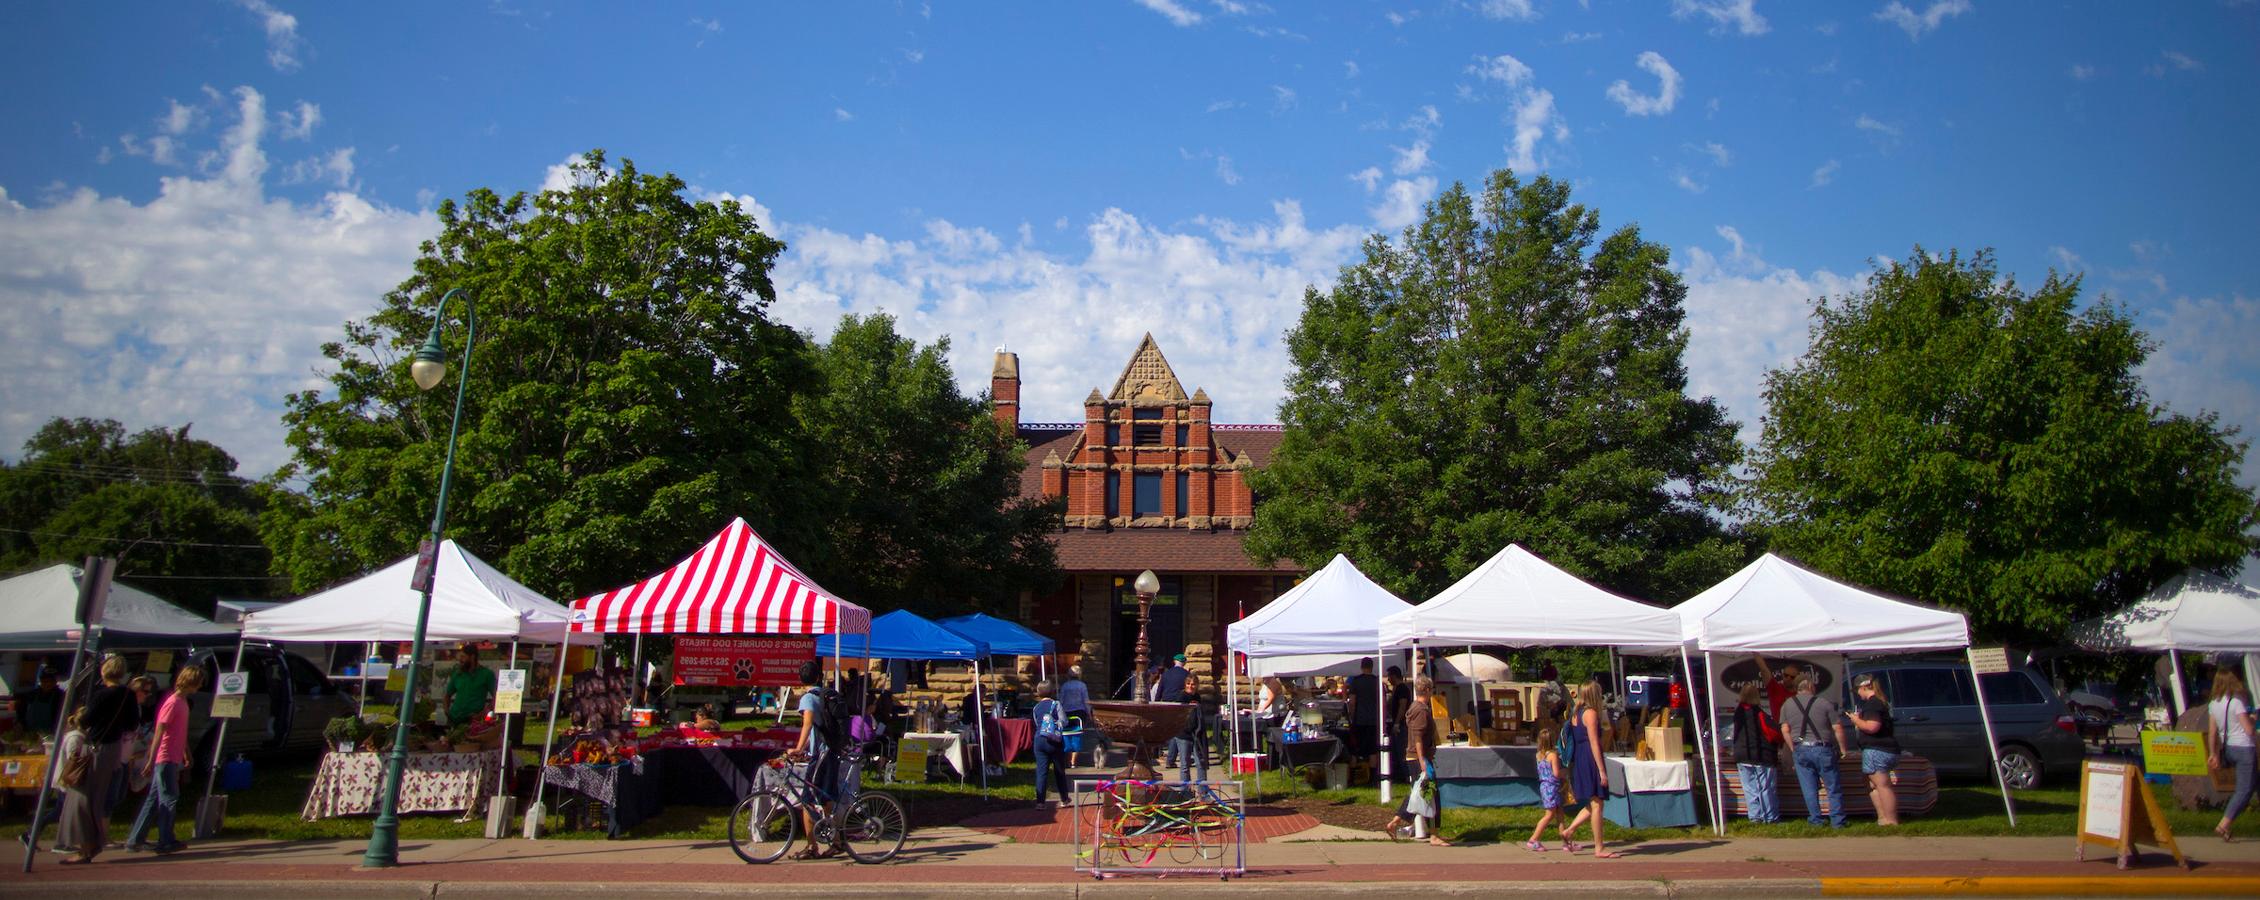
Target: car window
304	678
2011	689
1931	687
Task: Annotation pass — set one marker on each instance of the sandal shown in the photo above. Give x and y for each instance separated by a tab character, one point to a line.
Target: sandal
1607	854
1571	846
1435	841
1534	846
808	853
2223	831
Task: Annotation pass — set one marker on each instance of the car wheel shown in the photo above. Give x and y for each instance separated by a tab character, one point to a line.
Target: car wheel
2020	769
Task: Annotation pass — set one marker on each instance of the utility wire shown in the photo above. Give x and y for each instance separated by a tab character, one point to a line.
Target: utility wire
91	537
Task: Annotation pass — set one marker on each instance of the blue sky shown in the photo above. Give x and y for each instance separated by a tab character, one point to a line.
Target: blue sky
199	193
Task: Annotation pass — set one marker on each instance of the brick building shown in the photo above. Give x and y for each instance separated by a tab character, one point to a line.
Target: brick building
1151	481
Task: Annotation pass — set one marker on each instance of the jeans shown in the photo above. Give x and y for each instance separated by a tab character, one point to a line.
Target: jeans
1188	756
1816	768
158	811
1758	792
2239	759
1051	770
1873	761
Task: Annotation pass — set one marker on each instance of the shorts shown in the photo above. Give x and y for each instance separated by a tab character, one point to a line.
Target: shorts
1873	760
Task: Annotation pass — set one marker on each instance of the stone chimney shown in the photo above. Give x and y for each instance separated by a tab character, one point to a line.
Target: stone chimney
1004	391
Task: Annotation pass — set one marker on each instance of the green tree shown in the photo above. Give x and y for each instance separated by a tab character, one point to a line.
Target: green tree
627	397
921	489
1500	375
1951	438
167	505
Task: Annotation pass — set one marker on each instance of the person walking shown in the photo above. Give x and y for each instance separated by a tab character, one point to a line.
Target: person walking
77	800
1075	701
1051	744
2228	742
1879	748
110	716
1588	774
1757	755
1420	733
166	760
1814	732
1549	791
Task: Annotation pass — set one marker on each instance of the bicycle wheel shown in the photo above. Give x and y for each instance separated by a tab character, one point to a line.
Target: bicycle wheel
762	827
1188	844
873	828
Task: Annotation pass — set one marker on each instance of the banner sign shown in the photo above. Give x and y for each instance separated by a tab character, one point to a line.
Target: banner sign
1989	660
227	701
741	661
2173	752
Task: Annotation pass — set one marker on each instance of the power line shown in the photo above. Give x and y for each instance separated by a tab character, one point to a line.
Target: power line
91	537
203	577
136	474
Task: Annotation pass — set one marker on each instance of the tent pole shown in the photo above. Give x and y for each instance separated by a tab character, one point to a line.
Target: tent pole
362	708
635	671
1702	754
980	731
504	774
1711	708
2181	696
220	743
1985	715
1381	661
1231	703
556	699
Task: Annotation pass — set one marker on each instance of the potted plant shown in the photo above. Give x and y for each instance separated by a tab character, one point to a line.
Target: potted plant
459	739
345	733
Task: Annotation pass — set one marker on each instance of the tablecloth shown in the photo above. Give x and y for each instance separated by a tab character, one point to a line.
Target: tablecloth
640	788
1637	776
1648	794
1292	755
1003	740
347	783
1486	776
950	748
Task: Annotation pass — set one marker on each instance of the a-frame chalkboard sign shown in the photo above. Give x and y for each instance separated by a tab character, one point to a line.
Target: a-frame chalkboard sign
2118	811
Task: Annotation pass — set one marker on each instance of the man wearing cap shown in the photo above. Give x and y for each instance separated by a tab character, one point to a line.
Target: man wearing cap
40	708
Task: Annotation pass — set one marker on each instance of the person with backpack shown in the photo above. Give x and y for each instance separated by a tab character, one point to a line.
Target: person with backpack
1757	759
823	733
1814	731
1051	745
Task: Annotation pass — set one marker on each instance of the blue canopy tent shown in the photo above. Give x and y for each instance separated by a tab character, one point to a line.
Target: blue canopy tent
1005	638
903	634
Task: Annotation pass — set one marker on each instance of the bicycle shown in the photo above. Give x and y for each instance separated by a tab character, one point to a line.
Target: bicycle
1189	828
870	827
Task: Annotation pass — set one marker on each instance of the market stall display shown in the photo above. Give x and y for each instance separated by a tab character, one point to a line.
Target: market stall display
2195	612
1486	776
1324	624
1649	794
626	782
347	783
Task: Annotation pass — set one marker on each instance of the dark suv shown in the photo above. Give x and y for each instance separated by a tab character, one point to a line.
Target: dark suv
1935	715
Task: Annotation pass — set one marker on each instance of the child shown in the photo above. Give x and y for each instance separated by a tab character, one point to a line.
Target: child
1549	791
707	720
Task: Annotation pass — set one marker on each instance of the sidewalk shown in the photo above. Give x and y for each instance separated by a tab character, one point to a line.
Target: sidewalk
962	862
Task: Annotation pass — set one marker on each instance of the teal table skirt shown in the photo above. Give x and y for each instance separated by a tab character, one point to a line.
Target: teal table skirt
1658	809
1471	792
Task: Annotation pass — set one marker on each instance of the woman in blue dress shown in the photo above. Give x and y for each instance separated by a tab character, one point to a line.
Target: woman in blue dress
1588	778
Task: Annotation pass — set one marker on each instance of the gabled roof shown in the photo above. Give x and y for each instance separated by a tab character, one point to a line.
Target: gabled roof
1147	376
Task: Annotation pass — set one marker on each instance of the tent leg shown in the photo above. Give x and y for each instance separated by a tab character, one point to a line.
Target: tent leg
556	699
2181	696
1702	754
1231	704
1711	706
1985	715
1381	655
219	745
504	774
635	670
980	733
361	708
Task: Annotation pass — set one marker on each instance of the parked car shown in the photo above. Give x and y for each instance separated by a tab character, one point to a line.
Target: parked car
1935	715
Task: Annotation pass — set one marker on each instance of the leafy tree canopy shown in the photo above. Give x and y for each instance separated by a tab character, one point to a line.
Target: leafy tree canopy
1954	439
1503	374
167	505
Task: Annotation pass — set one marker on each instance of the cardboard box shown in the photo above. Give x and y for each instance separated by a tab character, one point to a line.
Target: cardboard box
1667	744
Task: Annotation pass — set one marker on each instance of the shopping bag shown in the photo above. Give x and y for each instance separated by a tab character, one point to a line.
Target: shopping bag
1422	802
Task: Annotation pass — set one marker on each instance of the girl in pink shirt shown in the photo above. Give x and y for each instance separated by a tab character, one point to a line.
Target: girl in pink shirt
166	760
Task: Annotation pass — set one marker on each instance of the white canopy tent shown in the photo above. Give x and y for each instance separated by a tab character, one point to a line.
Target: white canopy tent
1776	606
40	609
1518	599
471	601
1323	623
2195	611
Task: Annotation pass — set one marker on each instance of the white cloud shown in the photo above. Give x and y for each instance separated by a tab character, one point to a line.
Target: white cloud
1177	15
1224	171
1869	123
2066	261
2204	361
1745	317
179	118
708	26
1579	37
1411	159
2177	61
1502	68
298	124
206	304
1400	203
1533	117
334	168
1667	93
1349	68
1720	156
1680	177
1825	174
283	43
2081	72
1230	7
1369	176
914	56
1507	10
1424	121
1222	105
1914	23
840	114
1282	98
1738	15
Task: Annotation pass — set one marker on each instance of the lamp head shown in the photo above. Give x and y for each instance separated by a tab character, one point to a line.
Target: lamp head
1147	583
430	366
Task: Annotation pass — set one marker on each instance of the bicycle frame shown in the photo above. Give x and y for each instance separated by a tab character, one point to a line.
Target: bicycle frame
1172	816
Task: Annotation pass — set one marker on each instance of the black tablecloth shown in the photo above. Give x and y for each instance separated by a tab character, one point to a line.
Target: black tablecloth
1486	762
690	776
1295	754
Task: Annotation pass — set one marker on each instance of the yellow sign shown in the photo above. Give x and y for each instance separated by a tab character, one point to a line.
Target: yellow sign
397	679
910	760
2173	752
227	706
159	661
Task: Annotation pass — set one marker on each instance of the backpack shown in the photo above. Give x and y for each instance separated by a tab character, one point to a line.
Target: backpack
1768	727
1048	720
832	715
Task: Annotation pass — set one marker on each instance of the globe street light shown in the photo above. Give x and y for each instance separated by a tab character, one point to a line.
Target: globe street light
1146	586
428	370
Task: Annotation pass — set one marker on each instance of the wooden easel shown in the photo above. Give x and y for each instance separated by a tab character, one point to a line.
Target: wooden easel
2111	814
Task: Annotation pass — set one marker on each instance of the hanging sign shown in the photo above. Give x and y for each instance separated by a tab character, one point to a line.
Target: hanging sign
2118	811
1989	660
227	701
509	691
159	661
2173	752
741	661
910	760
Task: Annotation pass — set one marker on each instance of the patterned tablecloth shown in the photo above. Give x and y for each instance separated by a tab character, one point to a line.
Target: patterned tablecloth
639	788
347	783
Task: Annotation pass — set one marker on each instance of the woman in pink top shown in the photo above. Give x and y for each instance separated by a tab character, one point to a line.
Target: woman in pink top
166	760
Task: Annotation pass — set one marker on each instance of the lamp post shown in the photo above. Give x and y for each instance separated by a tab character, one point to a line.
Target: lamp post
428	370
1146	586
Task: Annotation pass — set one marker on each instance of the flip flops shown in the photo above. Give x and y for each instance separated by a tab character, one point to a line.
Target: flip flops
1607	854
1534	846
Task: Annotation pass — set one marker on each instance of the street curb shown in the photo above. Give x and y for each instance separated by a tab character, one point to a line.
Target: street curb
1111	889
2043	885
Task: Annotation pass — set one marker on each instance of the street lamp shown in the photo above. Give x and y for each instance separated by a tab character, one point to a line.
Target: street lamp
1146	586
428	370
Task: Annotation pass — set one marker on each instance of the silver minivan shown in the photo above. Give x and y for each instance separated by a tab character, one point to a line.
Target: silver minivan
1935	716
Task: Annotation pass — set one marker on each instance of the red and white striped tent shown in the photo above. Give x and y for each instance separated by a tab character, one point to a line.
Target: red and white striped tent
736	584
